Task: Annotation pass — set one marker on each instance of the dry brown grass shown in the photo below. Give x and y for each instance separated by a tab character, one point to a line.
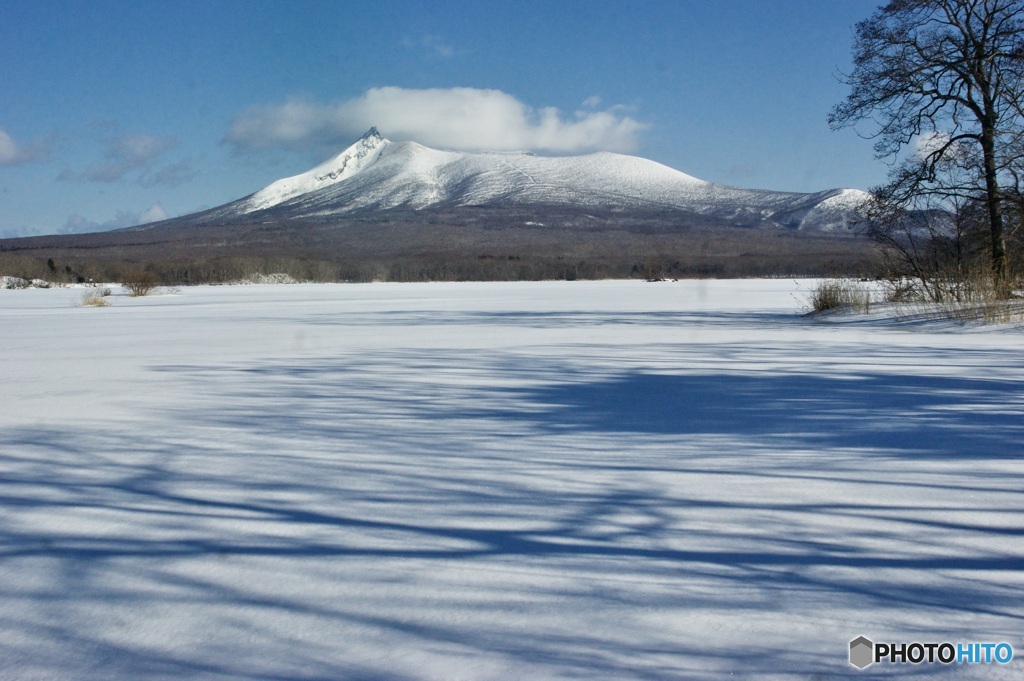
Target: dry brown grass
95	297
967	299
839	295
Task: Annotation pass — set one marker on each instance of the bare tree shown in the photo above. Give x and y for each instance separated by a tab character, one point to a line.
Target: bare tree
139	282
948	76
932	233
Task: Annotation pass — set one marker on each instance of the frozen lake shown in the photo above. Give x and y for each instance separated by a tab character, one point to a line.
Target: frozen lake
557	480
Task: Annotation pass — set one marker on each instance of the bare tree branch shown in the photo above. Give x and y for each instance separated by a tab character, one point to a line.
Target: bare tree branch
949	68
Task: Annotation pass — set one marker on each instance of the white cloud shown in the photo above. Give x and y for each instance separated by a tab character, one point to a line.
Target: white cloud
294	124
454	118
77	224
928	143
154	213
12	154
9	151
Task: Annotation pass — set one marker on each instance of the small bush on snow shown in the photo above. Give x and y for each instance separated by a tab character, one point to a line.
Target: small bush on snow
139	283
95	298
839	295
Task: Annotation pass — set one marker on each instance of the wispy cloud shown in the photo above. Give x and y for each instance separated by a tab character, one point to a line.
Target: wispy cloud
13	154
131	152
453	118
432	44
171	175
125	153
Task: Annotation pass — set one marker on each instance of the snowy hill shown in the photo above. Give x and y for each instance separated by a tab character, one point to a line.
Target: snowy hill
375	174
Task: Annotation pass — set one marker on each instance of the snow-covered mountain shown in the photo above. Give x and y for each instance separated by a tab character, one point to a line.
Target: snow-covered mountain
375	174
383	210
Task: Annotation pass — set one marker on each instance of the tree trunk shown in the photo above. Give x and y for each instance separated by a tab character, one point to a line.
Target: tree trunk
994	203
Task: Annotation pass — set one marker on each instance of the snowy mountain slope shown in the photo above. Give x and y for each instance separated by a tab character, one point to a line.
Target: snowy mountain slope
343	166
376	174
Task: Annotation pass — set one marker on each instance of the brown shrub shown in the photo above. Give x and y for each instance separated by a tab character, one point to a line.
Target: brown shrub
139	282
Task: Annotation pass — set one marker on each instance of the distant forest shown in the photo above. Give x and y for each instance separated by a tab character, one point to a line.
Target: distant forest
455	245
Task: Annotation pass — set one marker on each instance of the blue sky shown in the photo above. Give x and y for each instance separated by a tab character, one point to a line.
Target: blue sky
116	112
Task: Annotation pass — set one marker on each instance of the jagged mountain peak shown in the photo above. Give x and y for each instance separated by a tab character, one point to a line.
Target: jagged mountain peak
341	167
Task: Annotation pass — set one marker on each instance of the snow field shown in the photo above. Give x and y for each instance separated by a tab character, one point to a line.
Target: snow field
600	480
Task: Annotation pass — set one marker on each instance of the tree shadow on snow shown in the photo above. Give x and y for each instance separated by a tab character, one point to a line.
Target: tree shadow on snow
896	414
539	484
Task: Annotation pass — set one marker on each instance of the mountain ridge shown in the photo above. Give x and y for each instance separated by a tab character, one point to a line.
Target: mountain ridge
375	174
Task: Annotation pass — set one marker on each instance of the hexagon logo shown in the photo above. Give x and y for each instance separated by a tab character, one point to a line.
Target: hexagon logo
862	652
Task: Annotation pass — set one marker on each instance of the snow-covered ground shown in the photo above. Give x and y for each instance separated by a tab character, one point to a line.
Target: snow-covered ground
586	480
